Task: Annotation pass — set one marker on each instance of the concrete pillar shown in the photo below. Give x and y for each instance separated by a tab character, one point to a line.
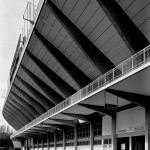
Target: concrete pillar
22	145
42	142
33	144
29	143
130	143
64	140
48	141
37	144
91	136
147	129
55	141
114	139
75	137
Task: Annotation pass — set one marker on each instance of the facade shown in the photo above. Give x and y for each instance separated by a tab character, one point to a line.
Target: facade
80	76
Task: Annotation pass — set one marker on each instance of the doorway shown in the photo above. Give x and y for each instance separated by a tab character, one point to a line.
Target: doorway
123	143
138	143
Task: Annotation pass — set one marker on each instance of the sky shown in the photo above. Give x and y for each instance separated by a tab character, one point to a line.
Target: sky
11	23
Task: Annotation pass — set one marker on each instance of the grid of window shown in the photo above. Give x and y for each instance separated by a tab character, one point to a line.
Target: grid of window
83	130
97	127
83	143
70	134
70	144
45	139
35	142
59	135
51	145
107	141
59	144
97	142
39	140
40	146
51	137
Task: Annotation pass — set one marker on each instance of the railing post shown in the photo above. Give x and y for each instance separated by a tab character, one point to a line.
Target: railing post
132	62
144	55
122	68
113	74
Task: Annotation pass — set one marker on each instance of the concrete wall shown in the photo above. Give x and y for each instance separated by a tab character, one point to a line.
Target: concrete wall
70	148
106	125
83	147
128	119
17	144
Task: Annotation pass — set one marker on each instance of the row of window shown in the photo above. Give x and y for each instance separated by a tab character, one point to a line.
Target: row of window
79	143
83	131
70	134
83	143
59	135
59	145
70	144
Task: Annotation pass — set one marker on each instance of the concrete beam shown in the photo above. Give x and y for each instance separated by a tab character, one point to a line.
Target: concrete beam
26	103
31	100
97	58
129	32
53	95
46	103
77	75
66	89
141	100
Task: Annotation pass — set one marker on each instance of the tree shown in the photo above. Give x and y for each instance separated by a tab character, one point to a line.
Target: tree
5	133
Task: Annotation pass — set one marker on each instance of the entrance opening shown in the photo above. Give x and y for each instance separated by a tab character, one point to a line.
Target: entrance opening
138	143
123	143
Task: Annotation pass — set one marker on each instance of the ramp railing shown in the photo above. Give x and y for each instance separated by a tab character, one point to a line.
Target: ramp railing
122	69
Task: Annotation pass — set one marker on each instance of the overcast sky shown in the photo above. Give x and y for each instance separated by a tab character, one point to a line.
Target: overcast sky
11	23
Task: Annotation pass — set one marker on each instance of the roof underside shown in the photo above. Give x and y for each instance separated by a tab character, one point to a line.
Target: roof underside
43	79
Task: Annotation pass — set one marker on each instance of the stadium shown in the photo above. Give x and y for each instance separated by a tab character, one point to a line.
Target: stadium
80	77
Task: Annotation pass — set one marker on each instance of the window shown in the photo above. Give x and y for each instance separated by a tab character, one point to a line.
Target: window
59	145
83	143
83	130
107	141
70	134
70	144
97	142
97	129
45	139
51	137
59	135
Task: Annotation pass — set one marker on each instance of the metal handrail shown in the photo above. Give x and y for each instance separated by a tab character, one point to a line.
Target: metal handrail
125	67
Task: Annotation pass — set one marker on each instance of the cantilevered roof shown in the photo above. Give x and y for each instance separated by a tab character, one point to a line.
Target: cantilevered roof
70	45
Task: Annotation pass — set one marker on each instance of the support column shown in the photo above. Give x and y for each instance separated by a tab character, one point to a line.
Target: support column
37	143
147	129
22	145
42	142
29	140
55	141
114	139
130	143
33	144
91	136
64	140
48	141
75	137
27	145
